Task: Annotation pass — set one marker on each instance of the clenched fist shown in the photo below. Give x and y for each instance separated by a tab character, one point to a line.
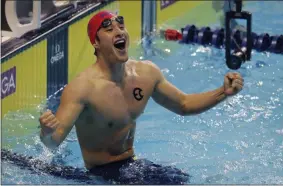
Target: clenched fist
233	83
48	122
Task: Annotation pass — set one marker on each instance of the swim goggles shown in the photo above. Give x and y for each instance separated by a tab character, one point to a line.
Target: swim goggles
107	22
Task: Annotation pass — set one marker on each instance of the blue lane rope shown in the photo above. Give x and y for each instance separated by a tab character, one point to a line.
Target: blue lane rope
206	36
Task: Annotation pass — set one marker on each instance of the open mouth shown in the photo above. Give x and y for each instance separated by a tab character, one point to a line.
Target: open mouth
120	44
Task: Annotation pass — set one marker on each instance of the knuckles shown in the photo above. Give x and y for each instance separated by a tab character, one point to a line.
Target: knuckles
45	119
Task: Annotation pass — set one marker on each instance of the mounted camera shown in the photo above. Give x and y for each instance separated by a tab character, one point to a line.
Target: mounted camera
241	54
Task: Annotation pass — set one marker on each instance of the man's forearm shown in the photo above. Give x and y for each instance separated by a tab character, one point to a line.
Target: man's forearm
198	103
47	140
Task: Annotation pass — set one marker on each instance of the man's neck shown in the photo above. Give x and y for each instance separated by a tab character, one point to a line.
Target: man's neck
113	72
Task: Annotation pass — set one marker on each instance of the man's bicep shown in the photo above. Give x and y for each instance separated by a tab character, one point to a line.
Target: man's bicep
168	96
68	111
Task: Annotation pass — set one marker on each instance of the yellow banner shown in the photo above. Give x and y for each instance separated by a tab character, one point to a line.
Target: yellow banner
24	76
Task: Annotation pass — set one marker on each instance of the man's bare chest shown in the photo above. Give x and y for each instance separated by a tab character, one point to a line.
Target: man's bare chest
122	102
112	111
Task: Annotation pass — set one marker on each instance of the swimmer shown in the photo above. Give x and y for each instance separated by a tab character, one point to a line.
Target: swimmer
104	101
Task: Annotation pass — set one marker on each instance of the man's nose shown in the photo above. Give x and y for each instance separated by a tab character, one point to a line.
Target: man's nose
119	32
117	28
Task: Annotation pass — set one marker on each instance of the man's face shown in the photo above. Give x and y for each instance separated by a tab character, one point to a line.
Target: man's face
113	41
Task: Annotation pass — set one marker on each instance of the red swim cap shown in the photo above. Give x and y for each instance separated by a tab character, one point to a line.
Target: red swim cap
95	22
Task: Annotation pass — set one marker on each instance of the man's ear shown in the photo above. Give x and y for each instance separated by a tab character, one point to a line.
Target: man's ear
96	45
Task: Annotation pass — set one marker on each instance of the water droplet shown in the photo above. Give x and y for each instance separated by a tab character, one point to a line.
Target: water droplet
260	83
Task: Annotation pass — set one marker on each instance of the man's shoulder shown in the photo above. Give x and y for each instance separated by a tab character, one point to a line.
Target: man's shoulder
140	62
145	65
80	80
148	70
77	87
87	81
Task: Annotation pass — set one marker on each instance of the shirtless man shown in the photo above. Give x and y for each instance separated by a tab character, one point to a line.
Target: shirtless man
105	100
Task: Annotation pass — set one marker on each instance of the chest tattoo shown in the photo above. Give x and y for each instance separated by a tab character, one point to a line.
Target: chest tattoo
137	92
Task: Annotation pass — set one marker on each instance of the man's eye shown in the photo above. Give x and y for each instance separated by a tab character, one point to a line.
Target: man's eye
109	30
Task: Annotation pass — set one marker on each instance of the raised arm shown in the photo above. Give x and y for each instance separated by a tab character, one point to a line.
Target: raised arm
55	128
177	101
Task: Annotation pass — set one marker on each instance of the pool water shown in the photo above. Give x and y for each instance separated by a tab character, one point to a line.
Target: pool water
237	142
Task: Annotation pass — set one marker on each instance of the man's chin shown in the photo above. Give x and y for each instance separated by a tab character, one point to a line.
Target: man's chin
122	56
123	59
